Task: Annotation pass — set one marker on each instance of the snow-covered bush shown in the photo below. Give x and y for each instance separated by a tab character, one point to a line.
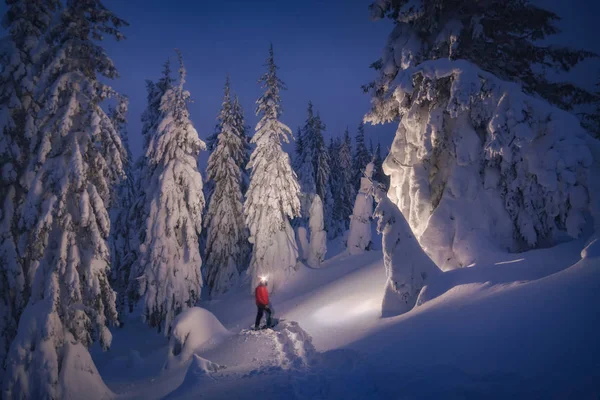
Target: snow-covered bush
192	329
272	198
318	236
169	257
408	268
359	236
477	165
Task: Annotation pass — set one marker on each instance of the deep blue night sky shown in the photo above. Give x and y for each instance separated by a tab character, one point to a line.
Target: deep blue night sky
323	48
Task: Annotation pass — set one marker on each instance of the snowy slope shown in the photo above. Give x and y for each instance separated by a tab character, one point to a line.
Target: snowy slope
524	325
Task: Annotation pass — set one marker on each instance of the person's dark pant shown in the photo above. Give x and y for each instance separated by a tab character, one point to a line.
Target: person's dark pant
259	315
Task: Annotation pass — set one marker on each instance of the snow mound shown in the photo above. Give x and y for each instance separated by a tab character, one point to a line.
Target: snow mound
79	378
193	330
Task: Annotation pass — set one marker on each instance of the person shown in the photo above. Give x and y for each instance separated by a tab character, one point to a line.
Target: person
262	302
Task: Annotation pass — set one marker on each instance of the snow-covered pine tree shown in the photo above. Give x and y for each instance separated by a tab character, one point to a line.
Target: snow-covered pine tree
298	149
322	174
227	246
502	37
242	129
408	268
21	56
345	176
76	159
305	165
337	220
272	198
318	236
169	258
478	165
359	237
322	170
379	176
155	92
138	215
122	254
313	172
361	157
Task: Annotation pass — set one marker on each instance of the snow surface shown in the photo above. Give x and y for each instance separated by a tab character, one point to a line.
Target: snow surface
521	325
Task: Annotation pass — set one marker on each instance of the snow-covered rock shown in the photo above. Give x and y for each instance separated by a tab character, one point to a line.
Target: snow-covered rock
194	329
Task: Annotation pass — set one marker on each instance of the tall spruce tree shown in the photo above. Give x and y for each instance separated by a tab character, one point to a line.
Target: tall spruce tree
379	176
169	260
313	170
241	127
337	220
345	176
76	158
298	149
361	156
272	198
306	164
122	253
138	216
503	37
322	170
22	56
227	246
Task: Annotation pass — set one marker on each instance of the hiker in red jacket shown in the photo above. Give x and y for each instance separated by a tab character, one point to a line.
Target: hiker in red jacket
262	302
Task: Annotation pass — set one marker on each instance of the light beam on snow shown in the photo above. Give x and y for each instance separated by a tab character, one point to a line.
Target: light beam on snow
346	311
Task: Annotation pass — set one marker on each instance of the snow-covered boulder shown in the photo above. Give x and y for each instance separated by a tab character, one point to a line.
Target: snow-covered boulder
359	236
408	268
318	236
478	166
194	329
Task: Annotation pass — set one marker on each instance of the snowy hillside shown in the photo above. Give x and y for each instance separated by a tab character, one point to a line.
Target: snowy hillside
521	325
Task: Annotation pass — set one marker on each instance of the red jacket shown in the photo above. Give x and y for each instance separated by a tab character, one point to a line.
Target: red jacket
262	296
